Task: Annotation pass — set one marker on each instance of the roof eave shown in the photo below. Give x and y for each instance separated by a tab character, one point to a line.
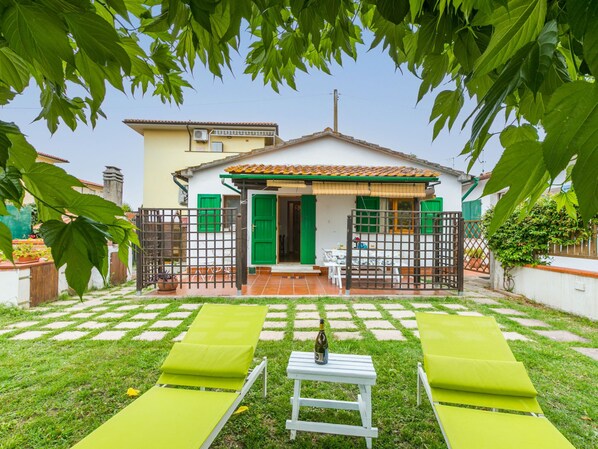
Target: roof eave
330	177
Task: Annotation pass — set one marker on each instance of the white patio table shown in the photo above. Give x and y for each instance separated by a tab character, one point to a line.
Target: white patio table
342	368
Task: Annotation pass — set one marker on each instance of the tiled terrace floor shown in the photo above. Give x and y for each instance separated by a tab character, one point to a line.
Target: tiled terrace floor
269	285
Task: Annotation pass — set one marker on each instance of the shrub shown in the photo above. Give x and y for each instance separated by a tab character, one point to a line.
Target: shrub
524	239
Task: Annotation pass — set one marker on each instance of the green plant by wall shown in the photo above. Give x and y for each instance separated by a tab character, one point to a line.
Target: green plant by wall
524	240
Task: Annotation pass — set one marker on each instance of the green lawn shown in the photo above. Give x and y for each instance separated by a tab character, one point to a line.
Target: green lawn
54	393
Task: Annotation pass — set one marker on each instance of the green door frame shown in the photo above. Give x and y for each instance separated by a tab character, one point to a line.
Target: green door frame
263	229
308	229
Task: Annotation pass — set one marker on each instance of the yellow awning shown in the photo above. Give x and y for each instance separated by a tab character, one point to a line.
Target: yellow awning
402	190
286	183
340	188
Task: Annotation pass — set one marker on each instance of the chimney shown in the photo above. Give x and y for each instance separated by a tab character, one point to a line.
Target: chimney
113	185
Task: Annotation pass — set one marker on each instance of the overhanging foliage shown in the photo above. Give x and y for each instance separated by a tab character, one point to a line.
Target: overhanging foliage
534	60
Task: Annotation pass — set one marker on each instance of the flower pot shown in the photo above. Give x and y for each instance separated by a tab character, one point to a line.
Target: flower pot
167	286
26	259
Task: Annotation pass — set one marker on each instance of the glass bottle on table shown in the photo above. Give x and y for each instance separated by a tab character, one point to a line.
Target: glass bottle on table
321	346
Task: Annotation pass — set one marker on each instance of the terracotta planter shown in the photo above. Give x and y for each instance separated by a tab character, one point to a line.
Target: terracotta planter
167	286
26	259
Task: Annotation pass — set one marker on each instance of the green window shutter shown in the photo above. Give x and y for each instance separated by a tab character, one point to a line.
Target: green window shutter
208	220
429	209
367	221
472	210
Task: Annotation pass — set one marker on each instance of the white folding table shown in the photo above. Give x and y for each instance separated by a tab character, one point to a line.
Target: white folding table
342	368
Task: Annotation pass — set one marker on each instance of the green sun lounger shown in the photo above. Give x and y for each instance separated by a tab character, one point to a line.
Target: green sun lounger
469	373
215	356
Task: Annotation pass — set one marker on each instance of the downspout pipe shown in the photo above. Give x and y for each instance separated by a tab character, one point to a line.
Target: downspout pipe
223	181
183	187
476	181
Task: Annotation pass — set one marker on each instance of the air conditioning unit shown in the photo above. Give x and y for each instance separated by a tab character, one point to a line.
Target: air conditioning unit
200	135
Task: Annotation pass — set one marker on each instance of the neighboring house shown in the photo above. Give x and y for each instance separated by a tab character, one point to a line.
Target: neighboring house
171	145
299	193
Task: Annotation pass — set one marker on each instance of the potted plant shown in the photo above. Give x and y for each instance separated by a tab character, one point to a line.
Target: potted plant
28	253
475	258
166	281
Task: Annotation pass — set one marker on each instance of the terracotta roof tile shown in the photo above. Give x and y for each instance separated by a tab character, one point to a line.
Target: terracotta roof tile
332	170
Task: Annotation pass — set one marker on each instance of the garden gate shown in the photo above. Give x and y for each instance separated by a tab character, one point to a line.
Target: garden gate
188	247
476	252
391	250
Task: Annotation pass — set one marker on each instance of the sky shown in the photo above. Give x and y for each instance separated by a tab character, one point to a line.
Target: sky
377	103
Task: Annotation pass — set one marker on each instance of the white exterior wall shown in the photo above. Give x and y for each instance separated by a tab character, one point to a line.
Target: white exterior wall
564	291
331	211
488	201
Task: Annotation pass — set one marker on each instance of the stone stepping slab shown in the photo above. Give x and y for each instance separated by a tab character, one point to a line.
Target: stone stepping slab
129	325
180	336
83	315
334	324
166	324
58	324
128	307
54	315
307	315
421	305
92	325
454	306
273	335
469	313
111	316
399	314
150	336
530	322
409	324
304	324
178	315
336	307
306	307
110	335
275	324
155	306
277	307
484	301
144	316
189	306
590	352
563	336
392	306
347	336
505	311
364	306
515	336
276	315
69	335
339	315
378	324
368	314
29	335
22	324
384	335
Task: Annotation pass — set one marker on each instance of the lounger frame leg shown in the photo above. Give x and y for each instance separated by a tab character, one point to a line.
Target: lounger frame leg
423	380
255	373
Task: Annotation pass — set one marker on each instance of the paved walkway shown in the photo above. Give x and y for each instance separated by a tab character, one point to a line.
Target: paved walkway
119	314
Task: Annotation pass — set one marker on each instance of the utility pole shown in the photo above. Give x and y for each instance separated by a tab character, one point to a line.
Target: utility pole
335	110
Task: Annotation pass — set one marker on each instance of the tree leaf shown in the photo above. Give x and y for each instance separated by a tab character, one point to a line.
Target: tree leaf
98	39
582	16
514	26
13	70
393	10
21	153
6	241
590	49
447	106
520	169
571	124
94	207
515	134
81	245
540	57
10	185
38	35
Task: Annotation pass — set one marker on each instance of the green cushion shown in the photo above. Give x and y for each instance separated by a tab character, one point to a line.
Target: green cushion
479	376
162	418
469	337
209	360
467	428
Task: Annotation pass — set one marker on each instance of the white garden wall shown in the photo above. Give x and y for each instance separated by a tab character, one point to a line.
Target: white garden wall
564	289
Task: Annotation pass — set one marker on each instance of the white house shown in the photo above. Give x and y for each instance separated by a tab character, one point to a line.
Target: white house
299	193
